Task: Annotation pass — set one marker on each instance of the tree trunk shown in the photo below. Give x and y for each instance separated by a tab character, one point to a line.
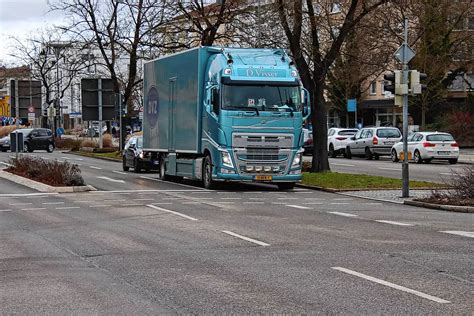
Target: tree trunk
320	162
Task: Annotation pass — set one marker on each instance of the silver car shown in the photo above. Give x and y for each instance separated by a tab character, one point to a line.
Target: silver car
372	142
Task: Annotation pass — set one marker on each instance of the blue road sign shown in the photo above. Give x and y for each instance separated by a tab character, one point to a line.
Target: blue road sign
351	105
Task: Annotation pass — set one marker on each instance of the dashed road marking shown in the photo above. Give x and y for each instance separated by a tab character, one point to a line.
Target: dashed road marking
298	206
52	203
6	164
287	198
20	203
231	198
258	242
101	205
391	169
392	285
143	199
172	212
34	209
254	202
343	214
7	210
174	183
119	172
445	174
94	167
340	203
394	223
111	180
67	207
313	203
459	233
342	164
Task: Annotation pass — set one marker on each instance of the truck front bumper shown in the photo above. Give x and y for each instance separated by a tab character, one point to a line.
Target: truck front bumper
253	178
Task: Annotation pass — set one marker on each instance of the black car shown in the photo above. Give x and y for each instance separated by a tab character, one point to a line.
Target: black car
36	139
134	156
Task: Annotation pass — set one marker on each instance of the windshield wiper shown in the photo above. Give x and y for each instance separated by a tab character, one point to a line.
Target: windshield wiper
242	108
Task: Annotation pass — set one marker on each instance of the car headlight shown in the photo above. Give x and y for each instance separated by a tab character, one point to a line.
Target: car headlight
226	160
296	160
142	155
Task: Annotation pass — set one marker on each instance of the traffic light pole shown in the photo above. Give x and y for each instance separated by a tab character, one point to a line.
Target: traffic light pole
405	171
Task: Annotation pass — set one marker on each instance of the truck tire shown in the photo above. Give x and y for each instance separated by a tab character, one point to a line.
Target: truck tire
162	174
286	186
207	181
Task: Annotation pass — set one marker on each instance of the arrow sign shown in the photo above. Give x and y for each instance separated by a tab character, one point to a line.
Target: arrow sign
404	54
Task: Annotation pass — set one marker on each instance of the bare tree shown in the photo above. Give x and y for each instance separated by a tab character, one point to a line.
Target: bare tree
316	32
121	31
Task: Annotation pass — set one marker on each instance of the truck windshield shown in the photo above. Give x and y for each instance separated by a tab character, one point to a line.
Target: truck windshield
261	97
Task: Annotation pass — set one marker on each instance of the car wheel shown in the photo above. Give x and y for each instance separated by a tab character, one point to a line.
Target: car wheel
207	173
286	186
124	164
368	154
453	161
162	173
136	166
348	153
331	151
27	148
4	150
417	157
376	157
50	148
394	156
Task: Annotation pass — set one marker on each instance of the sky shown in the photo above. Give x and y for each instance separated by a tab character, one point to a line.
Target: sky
22	19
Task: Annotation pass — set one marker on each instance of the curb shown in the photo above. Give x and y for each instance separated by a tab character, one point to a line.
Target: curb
450	208
41	187
332	190
102	158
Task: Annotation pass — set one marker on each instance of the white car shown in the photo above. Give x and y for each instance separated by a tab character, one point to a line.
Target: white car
338	138
426	146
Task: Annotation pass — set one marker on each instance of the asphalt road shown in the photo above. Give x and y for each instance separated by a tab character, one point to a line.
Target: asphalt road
143	246
437	171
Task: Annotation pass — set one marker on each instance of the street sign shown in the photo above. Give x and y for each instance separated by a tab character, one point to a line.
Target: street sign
404	54
31	109
31	116
29	95
90	94
75	115
351	105
140	115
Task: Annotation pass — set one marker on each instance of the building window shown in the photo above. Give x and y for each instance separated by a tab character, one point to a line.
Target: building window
373	88
457	84
470	81
335	7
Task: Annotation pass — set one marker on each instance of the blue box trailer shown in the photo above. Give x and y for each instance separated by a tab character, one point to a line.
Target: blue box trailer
225	114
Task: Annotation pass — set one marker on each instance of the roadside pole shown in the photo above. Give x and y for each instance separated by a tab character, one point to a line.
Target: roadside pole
120	121
405	171
17	117
99	83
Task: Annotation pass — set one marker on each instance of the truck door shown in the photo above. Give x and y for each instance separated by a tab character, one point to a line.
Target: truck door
171	114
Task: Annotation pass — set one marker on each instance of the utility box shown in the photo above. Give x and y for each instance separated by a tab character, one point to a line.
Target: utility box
13	141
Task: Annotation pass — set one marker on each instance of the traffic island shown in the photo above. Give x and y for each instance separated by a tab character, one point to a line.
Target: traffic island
45	176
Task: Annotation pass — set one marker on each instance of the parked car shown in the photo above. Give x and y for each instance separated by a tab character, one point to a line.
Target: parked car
338	138
426	146
33	139
373	142
134	156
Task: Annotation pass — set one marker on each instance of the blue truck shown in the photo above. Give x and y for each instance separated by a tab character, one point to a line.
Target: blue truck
225	114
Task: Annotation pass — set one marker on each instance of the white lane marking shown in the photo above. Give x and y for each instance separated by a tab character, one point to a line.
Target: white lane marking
27	194
392	285
111	180
85	201
119	172
254	202
304	192
143	199
67	207
342	164
230	198
129	205
343	199
202	198
223	202
71	158
391	169
374	203
6	164
287	198
20	203
459	233
100	205
394	223
164	203
258	242
298	206
5	210
313	203
113	200
94	167
172	212
340	203
33	209
253	192
52	203
175	183
344	214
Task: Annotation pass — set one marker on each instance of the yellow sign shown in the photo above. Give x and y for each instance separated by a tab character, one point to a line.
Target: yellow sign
263	178
402	155
4	106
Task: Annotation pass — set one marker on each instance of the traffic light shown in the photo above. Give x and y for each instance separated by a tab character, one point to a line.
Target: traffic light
416	87
395	86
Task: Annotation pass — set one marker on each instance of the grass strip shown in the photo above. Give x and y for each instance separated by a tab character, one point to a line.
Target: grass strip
336	180
112	155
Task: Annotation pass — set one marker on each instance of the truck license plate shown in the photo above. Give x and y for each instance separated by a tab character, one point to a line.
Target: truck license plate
263	178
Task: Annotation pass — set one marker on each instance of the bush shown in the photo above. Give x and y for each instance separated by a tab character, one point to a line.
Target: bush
5	130
460	189
70	143
89	143
107	140
51	172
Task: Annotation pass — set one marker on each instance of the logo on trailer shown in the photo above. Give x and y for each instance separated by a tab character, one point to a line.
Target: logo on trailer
152	106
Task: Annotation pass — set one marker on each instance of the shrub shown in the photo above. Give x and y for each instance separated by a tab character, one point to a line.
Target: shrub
51	172
5	130
107	140
70	143
89	143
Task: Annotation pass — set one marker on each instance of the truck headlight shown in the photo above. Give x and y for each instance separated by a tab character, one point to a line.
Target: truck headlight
226	160
296	160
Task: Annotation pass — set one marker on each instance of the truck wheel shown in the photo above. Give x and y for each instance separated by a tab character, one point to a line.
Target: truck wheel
162	174
124	164
286	186
207	174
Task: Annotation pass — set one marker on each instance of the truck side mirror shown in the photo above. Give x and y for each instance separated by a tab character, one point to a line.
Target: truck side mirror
306	104
215	101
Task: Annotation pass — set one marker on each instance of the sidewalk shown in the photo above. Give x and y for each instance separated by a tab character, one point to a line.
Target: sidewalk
394	196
